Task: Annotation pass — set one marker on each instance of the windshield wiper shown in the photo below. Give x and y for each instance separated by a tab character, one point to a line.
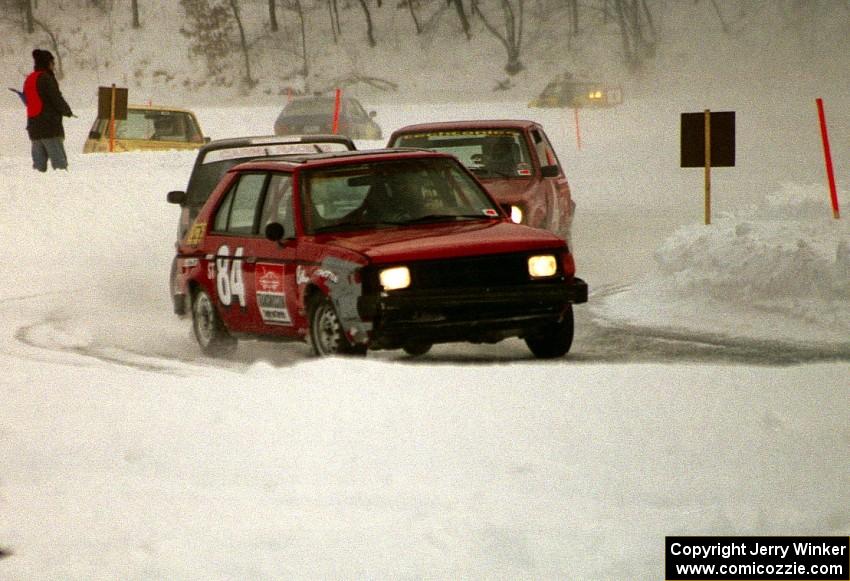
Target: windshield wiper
355	226
447	218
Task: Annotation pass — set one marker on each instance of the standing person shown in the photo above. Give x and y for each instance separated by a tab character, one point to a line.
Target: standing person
45	109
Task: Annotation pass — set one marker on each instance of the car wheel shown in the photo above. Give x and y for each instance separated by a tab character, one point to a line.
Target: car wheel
555	340
209	329
326	333
416	348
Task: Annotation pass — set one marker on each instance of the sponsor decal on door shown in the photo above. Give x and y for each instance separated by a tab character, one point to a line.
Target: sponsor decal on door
270	298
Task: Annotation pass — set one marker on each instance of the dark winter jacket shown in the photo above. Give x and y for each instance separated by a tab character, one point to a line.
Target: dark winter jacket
45	105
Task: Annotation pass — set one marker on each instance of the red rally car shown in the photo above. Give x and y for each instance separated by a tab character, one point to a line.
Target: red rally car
382	249
514	160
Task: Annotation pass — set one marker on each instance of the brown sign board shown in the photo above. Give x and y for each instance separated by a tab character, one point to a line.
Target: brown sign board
104	102
722	133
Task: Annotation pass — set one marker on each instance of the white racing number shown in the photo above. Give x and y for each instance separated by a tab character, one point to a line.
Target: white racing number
228	276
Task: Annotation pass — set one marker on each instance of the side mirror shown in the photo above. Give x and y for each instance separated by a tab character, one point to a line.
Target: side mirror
274	231
373	114
94	134
176	197
207	139
550	171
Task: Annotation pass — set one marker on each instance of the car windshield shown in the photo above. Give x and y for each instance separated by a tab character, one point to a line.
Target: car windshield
392	193
489	153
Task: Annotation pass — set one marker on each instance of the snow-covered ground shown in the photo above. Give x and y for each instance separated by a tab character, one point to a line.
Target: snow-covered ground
125	454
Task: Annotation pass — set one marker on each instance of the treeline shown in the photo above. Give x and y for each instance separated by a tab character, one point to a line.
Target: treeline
219	30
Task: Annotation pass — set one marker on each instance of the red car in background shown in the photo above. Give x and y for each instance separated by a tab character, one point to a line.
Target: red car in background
371	250
515	161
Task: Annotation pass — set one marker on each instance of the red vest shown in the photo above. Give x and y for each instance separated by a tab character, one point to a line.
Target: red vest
34	103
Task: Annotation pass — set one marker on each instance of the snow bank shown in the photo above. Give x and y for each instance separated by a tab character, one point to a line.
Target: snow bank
786	262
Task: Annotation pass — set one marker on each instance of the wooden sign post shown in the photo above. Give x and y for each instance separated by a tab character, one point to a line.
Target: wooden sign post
708	139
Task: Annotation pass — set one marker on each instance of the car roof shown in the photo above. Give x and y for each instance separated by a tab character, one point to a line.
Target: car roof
338	158
470	124
231	142
158	108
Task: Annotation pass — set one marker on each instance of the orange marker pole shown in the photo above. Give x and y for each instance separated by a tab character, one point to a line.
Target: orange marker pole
112	121
337	101
833	193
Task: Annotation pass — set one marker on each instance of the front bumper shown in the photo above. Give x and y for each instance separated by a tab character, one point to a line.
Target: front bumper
478	314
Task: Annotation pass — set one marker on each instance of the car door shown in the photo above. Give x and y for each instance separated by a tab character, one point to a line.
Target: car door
271	285
230	245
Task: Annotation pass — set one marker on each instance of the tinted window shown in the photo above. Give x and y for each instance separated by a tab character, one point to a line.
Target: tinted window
238	212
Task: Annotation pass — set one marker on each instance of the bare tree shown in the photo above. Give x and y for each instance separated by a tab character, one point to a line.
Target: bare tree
511	37
29	18
369	27
461	15
637	32
413	15
296	6
273	15
243	43
333	11
573	6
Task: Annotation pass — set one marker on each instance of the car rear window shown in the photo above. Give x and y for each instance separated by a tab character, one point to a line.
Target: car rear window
158	125
309	107
217	161
489	153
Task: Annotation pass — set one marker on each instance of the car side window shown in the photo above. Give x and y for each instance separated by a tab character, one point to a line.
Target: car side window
545	152
277	206
239	209
137	125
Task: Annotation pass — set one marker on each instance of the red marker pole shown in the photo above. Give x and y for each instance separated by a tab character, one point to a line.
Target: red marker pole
337	100
828	157
578	130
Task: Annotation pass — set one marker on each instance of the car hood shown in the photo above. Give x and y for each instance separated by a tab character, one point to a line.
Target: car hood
507	191
454	240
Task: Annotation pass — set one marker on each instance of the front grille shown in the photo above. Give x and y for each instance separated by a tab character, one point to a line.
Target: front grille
498	270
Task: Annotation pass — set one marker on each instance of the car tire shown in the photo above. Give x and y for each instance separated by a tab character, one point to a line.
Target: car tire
417	348
327	337
209	329
556	340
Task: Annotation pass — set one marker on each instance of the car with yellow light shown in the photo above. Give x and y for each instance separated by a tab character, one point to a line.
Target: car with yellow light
568	92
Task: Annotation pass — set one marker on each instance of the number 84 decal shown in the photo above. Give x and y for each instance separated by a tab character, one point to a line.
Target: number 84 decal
229	282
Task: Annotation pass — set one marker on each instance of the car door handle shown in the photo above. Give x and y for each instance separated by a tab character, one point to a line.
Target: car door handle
251	259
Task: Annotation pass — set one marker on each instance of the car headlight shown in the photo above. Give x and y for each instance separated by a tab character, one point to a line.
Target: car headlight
395	278
516	214
542	266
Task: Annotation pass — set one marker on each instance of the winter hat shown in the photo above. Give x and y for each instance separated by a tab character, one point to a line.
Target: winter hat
42	59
